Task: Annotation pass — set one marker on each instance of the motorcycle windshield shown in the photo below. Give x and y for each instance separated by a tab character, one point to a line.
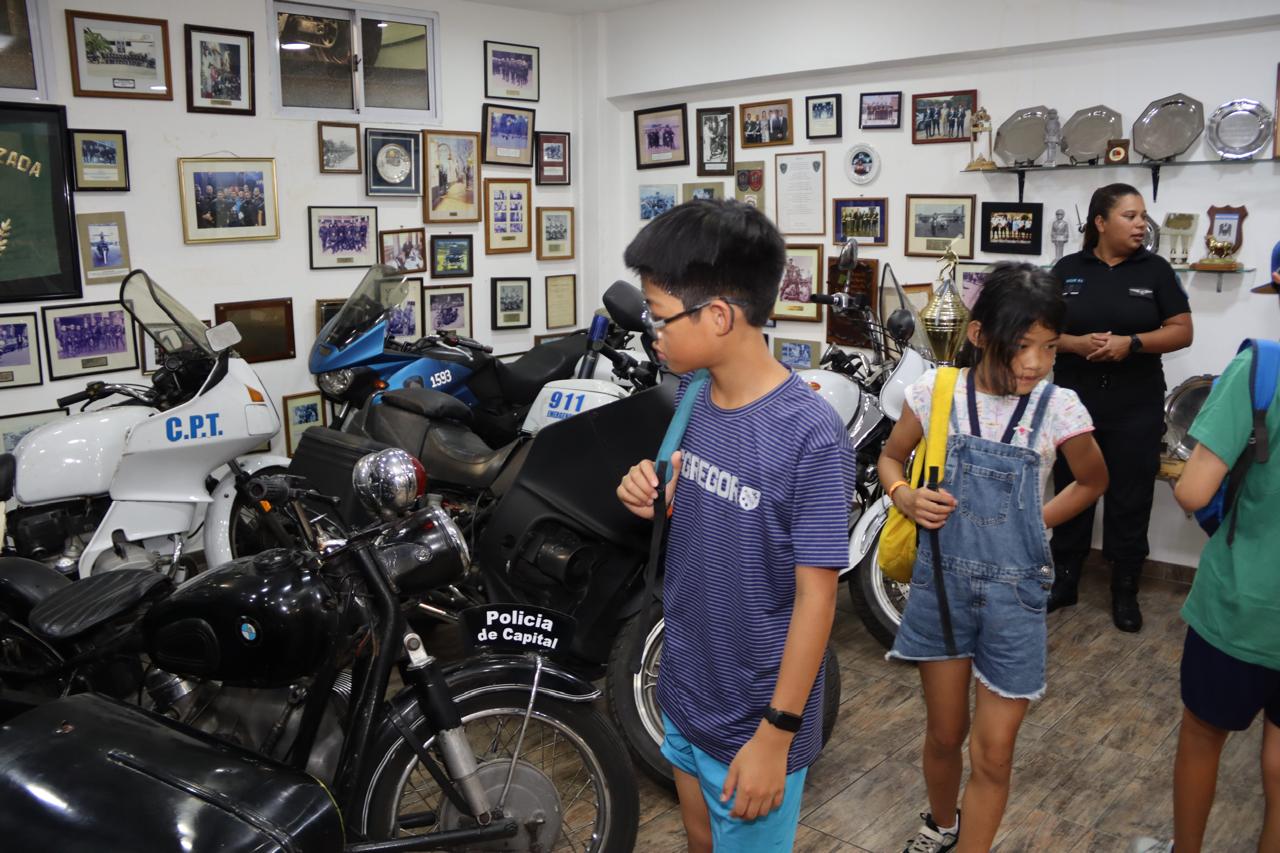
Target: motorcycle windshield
165	320
381	289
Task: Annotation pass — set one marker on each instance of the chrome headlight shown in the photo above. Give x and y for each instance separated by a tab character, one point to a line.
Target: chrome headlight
336	382
389	480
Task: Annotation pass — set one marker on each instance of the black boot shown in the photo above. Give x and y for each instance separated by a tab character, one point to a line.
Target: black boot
1125	612
1066	586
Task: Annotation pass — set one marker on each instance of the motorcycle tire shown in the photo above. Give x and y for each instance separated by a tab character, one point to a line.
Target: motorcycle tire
877	601
394	779
633	705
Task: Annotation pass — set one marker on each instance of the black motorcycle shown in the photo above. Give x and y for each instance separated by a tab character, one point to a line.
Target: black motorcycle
279	663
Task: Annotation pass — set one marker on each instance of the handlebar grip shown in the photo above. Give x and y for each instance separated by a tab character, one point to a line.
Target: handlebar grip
823	299
269	487
72	399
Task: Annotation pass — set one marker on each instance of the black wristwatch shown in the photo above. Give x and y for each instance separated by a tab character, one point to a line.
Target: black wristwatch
1135	344
783	720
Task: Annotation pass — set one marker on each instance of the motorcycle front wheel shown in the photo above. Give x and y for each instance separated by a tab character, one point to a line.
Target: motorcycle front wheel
571	770
878	601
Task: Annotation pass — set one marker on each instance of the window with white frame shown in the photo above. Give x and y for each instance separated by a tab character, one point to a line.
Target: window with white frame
341	57
22	70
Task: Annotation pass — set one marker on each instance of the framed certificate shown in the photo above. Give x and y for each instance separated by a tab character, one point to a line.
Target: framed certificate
562	301
800	186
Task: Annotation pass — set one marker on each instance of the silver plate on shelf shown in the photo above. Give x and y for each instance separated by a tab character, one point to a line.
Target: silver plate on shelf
1086	134
1239	129
1151	240
1168	127
1020	140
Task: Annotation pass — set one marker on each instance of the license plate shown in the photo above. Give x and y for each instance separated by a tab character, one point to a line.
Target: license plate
518	627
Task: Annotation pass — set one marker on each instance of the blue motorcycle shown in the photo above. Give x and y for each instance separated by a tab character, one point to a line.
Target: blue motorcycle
353	361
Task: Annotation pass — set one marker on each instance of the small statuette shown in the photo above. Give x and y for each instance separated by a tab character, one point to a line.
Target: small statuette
1059	233
1052	138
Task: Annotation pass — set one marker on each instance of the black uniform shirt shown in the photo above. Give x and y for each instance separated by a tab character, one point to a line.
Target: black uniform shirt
1136	295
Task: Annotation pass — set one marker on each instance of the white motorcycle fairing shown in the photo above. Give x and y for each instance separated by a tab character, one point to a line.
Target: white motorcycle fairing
564	398
894	393
842	393
75	456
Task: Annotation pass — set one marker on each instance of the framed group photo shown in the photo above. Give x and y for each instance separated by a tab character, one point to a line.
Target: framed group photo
342	237
228	199
797	354
88	338
219	71
935	222
509	303
265	326
863	220
511	71
404	249
393	163
553	163
656	199
714	126
448	308
118	56
879	110
801	278
507	135
101	160
562	301
942	116
104	247
555	233
701	191
822	119
451	255
1014	228
19	351
339	147
301	412
506	215
453	176
662	137
766	123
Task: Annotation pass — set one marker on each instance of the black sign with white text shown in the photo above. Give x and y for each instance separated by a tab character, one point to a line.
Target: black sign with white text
518	627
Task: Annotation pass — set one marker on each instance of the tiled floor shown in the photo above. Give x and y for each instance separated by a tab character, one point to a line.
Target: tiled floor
1094	764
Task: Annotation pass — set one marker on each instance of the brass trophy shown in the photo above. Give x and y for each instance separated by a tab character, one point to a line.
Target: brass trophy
945	318
980	123
1223	240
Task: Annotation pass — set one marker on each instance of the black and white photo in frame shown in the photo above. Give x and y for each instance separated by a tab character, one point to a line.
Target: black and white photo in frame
88	338
509	303
714	126
823	118
19	350
511	71
100	159
339	146
448	308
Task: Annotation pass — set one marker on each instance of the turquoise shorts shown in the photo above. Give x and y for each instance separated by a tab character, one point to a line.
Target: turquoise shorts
776	831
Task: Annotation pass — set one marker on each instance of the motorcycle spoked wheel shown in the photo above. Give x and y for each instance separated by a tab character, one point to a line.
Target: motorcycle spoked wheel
878	601
633	698
570	755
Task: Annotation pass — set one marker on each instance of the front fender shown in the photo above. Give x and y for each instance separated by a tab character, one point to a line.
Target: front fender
217	517
490	673
864	533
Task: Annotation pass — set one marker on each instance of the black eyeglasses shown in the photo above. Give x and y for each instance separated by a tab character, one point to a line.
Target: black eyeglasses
652	327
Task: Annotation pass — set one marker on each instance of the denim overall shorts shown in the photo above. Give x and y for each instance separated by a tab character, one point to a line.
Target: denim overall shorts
996	563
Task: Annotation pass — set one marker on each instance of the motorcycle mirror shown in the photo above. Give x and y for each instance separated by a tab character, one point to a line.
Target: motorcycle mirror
625	304
848	256
901	325
223	336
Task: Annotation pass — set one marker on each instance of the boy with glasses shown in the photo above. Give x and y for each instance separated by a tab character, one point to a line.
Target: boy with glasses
758	534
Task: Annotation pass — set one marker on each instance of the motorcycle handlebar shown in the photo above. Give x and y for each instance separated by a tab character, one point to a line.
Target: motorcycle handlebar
271	488
840	301
90	392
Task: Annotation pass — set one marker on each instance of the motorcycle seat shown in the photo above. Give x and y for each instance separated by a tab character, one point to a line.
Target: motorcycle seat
86	604
523	379
426	403
454	454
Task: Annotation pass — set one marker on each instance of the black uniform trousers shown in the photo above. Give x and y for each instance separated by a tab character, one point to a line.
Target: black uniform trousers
1128	423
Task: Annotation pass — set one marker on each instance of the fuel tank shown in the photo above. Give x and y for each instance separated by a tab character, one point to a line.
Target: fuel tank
74	456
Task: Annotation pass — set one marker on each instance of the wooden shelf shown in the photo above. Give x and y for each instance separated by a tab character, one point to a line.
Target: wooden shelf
1154	166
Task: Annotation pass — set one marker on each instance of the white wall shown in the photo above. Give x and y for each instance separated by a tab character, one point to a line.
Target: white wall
159	132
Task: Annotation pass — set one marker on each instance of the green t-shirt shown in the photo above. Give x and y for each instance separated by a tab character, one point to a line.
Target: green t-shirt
1235	599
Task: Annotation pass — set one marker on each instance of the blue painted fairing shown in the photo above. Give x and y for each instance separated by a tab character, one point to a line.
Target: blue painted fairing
397	369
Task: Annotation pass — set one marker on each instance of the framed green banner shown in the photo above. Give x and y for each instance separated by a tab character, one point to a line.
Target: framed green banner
38	254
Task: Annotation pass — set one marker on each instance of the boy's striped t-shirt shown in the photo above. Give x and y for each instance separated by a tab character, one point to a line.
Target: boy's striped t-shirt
762	489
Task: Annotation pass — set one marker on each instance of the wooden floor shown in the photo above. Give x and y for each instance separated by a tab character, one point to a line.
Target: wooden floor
1094	764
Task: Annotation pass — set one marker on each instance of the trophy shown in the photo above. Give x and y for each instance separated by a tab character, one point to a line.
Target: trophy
1223	240
980	123
945	318
1180	229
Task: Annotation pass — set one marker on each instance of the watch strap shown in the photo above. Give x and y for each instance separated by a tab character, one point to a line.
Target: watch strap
1135	343
783	720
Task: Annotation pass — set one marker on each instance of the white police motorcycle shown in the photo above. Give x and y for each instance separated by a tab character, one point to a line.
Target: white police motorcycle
131	485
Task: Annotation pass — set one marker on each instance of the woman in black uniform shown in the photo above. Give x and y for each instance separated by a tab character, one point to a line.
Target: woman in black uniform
1125	307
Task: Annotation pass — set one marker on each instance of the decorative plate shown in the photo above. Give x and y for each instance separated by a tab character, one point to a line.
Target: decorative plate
1151	240
1239	129
394	163
1087	132
1168	127
1020	140
862	163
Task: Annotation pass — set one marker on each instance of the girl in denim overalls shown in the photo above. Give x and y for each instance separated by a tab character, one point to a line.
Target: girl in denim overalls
1007	425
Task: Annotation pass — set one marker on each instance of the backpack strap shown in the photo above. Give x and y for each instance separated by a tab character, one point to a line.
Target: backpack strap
940	408
1264	368
1042	410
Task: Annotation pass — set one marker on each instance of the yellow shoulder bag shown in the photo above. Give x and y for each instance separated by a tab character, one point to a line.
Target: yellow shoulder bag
898	538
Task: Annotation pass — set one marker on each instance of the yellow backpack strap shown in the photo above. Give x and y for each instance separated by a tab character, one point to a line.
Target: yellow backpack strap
944	388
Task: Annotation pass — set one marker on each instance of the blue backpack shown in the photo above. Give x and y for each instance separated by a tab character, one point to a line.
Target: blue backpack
1264	369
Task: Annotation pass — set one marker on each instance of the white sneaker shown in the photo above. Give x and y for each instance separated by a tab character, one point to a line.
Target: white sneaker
930	839
1147	844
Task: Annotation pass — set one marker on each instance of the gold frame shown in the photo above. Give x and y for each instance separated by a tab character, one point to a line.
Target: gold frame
546	300
285	402
184	162
801	314
543	254
430	216
791	122
526	185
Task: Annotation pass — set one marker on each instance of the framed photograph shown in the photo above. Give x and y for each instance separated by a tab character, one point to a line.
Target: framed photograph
970	277
714	126
101	161
766	123
934	222
1013	228
406	322
801	278
942	116
508	135
117	56
800	203
393	163
702	191
265	325
448	308
506	215
38	246
879	110
656	199
453	176
509	302
219	71
87	338
451	256
14	427
339	146
748	183
822	116
553	164
404	249
511	71
863	220
797	354
342	237
555	233
562	301
227	199
19	350
863	279
104	247
552	337
301	412
662	137
326	310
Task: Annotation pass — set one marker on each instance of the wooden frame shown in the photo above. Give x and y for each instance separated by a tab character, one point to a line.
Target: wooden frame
935	245
701	190
265	325
555	249
447	316
14	427
403	265
293	431
331	163
837	118
320	223
493	151
551	170
100	177
326	310
945	135
864	280
415	311
663	146
494	87
756	129
94	352
1275	144
799	282
441	252
783	352
559	314
880	123
1002	234
1233	218
452	203
507	198
840	234
220	225
722	134
386	150
503	318
124	86
96	259
201	99
805	163
20	351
